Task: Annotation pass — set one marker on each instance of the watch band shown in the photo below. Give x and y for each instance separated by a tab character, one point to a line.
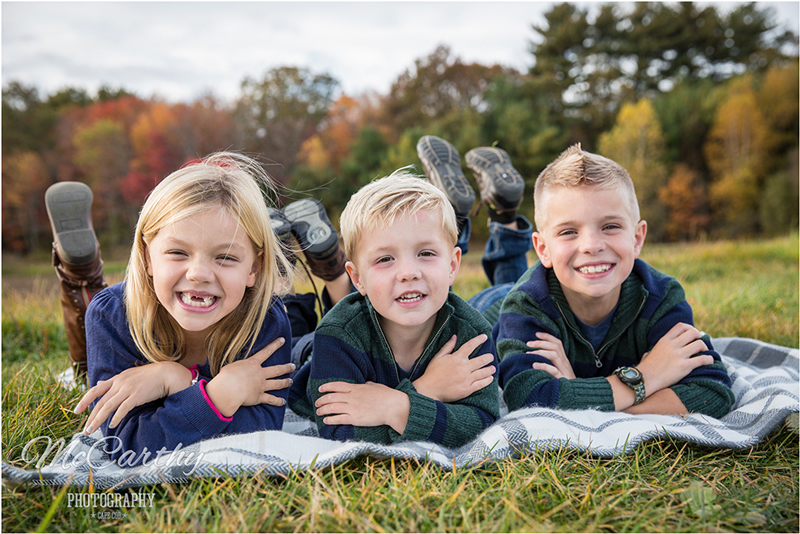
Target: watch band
632	377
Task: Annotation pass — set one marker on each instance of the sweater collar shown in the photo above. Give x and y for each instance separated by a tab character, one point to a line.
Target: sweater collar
631	297
442	317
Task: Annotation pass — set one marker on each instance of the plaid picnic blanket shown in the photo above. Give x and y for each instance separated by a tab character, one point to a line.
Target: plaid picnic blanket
765	382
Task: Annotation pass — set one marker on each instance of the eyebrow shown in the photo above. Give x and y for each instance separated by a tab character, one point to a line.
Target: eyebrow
229	246
605	219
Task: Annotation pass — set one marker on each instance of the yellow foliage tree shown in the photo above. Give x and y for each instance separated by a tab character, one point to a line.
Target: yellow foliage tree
637	143
313	154
736	152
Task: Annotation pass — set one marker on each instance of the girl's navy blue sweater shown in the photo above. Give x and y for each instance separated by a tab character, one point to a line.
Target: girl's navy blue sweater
185	417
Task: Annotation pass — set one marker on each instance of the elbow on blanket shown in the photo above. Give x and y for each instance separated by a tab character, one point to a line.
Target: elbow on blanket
707	397
531	388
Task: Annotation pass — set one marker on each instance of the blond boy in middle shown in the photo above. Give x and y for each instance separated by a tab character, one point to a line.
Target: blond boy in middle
384	366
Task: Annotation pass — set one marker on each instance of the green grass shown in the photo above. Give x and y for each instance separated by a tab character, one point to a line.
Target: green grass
736	289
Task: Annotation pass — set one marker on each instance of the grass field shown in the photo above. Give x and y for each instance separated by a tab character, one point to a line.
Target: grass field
747	289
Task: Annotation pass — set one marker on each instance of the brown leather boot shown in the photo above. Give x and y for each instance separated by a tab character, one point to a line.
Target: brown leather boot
328	268
76	258
79	284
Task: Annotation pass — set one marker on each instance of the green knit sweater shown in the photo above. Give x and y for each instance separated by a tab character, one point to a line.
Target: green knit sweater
650	304
350	346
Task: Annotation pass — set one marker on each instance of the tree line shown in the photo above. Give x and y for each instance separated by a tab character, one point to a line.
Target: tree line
699	106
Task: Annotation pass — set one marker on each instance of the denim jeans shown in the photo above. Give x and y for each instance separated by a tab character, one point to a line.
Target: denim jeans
504	261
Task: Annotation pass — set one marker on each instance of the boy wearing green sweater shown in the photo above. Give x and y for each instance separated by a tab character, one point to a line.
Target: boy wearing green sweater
384	364
592	326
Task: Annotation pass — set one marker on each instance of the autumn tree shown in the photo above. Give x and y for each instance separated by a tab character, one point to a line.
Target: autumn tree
103	151
685	200
592	60
637	143
156	152
779	101
331	144
203	126
736	149
438	91
25	178
275	115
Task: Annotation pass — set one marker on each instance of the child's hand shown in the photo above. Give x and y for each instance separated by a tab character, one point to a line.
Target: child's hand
550	347
368	404
131	388
245	382
671	358
452	376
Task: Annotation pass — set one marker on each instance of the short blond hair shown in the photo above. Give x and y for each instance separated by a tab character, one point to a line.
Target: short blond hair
222	181
577	168
377	204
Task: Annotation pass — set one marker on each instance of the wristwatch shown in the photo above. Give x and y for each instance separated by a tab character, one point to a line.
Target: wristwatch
632	377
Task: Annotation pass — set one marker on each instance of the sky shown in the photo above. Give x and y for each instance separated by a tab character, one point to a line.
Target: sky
179	51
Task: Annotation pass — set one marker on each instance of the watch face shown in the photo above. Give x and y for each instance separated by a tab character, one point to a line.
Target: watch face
632	375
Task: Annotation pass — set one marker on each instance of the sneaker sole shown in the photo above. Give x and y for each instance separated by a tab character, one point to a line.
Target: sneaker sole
69	207
443	167
307	220
494	164
281	227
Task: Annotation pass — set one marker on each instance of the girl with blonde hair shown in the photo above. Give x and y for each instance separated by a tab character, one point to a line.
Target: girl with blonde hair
192	341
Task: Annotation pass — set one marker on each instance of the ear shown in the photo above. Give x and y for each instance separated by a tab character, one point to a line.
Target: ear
641	233
455	264
355	277
251	278
540	247
147	261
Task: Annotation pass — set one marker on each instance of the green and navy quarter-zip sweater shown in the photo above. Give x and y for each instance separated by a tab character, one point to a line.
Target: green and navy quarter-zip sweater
350	346
650	304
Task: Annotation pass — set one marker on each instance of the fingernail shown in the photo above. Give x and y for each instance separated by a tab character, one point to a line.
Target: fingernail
88	429
293	366
75	410
112	424
291	381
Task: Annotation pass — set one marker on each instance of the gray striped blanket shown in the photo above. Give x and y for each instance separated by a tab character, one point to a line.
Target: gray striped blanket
765	382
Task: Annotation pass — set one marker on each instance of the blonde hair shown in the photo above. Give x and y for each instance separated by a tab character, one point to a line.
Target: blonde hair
377	204
577	168
226	181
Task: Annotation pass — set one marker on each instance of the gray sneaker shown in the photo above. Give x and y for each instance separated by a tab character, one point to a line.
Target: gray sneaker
69	207
501	185
312	228
442	166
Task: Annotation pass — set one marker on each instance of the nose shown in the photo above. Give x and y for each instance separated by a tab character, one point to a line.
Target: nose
592	243
407	270
200	271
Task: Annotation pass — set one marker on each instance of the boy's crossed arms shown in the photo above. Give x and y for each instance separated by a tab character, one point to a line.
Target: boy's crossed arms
450	377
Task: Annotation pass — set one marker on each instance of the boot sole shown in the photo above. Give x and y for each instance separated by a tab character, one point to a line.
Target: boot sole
311	227
443	168
69	207
281	227
494	165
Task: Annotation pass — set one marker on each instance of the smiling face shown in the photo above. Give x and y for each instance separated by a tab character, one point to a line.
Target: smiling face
590	241
200	267
406	269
